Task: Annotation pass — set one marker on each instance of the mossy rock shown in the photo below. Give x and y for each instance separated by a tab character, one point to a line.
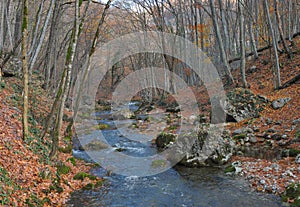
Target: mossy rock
292	192
239	136
164	139
66	150
92	186
158	163
290	152
82	175
95	145
63	169
102	126
229	169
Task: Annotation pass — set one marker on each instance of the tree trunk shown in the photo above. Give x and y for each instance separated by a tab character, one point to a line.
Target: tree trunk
277	69
242	43
66	82
286	48
42	37
220	42
25	68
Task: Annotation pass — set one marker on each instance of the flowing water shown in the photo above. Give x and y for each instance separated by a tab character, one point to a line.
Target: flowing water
178	186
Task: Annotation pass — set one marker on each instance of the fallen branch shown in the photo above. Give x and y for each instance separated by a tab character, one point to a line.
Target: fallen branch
260	49
290	82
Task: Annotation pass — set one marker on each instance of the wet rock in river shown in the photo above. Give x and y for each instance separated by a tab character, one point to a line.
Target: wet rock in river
95	145
198	148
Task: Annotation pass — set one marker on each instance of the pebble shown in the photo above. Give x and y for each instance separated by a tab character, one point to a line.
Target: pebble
266	169
275	166
262	182
253	139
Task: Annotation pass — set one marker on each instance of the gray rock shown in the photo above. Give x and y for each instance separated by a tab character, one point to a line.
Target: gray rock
297	160
201	148
296	121
253	139
279	103
237	132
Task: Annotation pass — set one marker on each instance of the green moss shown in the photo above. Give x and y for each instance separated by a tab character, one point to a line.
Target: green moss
34	201
292	192
173	127
158	163
67	149
297	134
56	188
72	160
82	175
229	169
290	152
63	169
102	126
239	136
92	186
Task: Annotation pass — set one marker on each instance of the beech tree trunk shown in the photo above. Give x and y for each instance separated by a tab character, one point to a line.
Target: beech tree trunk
220	42
277	82
242	43
25	69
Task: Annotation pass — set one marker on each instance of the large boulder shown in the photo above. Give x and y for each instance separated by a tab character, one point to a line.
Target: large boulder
205	147
240	104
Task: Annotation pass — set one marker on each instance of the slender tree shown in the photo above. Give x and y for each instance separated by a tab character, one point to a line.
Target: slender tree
25	69
242	43
277	82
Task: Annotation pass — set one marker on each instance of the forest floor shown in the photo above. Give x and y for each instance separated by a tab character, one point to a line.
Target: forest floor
28	177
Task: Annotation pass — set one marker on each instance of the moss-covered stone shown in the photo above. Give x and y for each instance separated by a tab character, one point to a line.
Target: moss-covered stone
229	169
92	186
292	192
163	139
95	145
102	126
290	152
82	175
158	163
66	150
239	136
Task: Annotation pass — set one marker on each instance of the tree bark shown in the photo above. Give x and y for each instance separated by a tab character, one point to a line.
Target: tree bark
220	42
242	43
277	69
25	69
